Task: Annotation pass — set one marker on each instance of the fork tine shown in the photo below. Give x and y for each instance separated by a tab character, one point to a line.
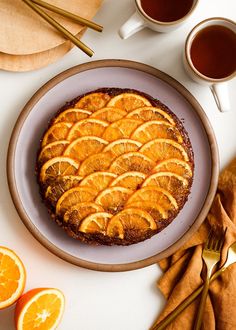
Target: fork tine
222	240
208	241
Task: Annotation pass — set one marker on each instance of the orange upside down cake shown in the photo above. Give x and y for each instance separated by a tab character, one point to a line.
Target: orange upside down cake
115	167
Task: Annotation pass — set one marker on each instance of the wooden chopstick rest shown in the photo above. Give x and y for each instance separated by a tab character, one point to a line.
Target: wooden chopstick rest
66	13
59	27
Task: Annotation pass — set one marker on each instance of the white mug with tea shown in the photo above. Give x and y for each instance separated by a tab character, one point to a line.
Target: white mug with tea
158	15
210	57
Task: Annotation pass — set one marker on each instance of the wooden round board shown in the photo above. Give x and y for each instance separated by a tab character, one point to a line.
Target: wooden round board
20	63
20	26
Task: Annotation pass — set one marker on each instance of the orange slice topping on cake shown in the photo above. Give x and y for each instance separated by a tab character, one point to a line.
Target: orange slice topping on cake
93	101
174	165
122	146
151	113
98	162
154	129
109	114
128	101
51	150
98	180
161	149
56	132
84	147
87	127
131	180
95	223
121	129
113	199
72	115
80	211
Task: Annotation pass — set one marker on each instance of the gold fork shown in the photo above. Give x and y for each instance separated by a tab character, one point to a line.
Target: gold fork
211	256
231	259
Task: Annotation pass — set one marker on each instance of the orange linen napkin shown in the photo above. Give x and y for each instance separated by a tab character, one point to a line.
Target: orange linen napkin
182	270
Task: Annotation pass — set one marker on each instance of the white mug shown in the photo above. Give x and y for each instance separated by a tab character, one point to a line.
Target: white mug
140	20
218	86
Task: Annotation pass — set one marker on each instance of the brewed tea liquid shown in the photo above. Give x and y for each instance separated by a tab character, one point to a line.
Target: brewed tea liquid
166	10
213	52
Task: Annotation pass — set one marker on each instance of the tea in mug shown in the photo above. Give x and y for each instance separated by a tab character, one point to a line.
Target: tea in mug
166	10
213	51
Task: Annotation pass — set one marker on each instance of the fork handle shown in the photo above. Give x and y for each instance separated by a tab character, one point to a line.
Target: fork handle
198	321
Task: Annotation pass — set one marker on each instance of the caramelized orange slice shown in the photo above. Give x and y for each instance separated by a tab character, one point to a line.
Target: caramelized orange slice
128	101
131	219
97	162
175	165
58	166
113	199
154	129
87	127
52	150
74	196
109	114
173	183
131	180
151	113
85	146
132	161
121	129
156	211
122	146
80	211
95	223
56	132
161	149
156	195
98	180
61	184
93	101
72	115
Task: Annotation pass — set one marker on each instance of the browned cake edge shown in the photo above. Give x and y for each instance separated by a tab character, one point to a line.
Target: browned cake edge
130	237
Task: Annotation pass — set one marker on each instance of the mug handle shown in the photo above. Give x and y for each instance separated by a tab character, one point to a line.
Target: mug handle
134	24
221	96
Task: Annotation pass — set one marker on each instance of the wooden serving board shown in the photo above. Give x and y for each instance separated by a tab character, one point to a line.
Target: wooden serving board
23	32
20	63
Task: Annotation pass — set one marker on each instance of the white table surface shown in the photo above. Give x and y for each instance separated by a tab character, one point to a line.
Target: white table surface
96	300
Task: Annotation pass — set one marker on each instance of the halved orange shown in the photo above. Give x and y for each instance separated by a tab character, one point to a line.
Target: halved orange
121	129
154	129
173	183
80	211
58	166
122	146
156	211
87	127
161	149
131	219
113	199
174	165
156	195
52	150
131	180
98	162
12	277
40	309
132	161
128	101
56	132
85	146
93	101
61	184
98	180
95	223
72	115
151	113
109	114
74	196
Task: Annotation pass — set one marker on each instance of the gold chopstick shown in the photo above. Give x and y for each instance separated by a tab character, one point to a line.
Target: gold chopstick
60	28
66	13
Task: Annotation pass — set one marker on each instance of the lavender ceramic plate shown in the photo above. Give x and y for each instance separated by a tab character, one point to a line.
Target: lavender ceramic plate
29	129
